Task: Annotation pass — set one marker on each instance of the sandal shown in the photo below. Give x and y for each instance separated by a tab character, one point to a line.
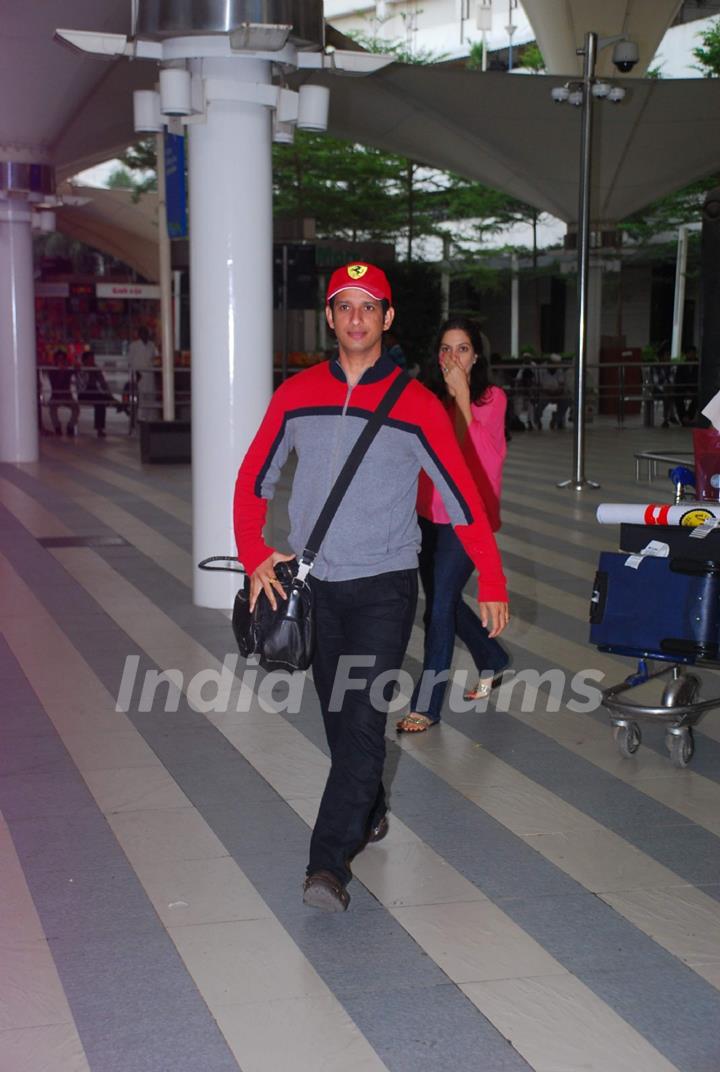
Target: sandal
413	723
483	688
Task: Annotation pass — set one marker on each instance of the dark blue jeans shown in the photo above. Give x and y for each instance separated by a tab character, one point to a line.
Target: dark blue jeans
367	621
444	570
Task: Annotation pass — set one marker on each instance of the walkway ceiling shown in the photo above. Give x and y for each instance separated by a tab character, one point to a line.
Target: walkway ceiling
560	27
59	105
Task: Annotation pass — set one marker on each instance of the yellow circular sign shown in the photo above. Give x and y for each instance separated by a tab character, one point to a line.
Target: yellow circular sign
357	271
693	518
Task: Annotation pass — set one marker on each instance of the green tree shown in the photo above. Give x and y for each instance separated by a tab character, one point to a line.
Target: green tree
684	205
121	179
532	58
668	213
707	52
138	171
476	55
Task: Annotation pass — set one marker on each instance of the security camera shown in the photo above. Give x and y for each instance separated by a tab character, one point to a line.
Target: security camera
616	94
560	94
625	56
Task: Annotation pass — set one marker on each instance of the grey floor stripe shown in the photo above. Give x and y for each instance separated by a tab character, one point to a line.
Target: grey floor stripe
135	1006
70	513
541	540
546	511
554	886
171	527
172	478
575	926
581	931
370	962
565	582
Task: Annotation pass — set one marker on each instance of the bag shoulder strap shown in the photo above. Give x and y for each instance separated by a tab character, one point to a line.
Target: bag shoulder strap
348	471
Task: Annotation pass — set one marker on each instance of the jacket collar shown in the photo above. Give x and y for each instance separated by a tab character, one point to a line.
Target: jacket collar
379	371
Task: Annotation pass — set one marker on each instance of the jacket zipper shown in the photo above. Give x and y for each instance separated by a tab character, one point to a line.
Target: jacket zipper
333	468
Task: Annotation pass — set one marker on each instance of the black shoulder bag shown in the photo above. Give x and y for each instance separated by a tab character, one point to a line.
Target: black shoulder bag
284	638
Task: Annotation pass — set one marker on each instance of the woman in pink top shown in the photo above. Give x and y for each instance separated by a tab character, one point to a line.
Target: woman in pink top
477	410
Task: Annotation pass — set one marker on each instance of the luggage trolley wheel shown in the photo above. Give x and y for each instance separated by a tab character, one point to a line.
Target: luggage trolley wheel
627	739
681	747
681	691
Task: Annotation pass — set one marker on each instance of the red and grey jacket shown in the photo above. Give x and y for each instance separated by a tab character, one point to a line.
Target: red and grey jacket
319	416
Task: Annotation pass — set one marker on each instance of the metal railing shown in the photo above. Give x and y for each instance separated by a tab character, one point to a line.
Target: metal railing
614	389
622	389
139	392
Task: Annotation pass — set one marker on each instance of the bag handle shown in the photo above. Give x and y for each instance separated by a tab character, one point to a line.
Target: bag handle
206	564
352	463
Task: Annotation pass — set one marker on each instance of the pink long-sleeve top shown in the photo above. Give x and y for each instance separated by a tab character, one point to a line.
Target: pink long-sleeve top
484	450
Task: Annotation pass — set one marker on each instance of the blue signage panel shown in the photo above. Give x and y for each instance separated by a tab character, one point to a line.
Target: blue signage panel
175	190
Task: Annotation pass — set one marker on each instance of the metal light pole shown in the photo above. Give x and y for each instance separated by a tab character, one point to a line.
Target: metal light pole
679	298
510	30
579	480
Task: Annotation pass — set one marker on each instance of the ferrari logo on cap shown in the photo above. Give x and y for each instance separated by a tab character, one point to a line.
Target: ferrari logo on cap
356	271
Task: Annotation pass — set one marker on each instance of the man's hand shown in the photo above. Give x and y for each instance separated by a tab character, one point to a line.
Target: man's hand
496	615
264	579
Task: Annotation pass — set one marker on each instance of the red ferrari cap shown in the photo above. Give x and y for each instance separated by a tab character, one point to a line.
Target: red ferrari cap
361	276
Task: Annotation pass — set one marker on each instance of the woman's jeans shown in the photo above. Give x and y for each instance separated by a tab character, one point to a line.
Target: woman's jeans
444	571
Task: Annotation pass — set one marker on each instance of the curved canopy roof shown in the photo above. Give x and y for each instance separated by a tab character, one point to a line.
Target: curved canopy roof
114	222
505	131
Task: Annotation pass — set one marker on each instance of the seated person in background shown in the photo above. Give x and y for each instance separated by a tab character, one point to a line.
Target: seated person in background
64	392
525	393
686	387
394	350
552	388
664	383
92	387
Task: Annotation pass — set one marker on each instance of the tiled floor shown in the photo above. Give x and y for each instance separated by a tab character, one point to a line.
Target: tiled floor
540	903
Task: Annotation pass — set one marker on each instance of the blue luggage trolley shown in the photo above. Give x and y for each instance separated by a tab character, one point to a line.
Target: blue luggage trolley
659	609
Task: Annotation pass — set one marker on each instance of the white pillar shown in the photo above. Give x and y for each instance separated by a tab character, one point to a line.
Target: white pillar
514	307
322	324
167	350
445	279
18	377
231	306
177	300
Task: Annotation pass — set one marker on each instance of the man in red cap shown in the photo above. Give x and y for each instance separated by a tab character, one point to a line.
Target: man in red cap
364	578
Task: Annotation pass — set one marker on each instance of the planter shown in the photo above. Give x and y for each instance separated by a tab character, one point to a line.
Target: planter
167	442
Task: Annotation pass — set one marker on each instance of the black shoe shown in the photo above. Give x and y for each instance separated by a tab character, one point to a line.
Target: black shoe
325	891
379	831
58	431
70	430
100	433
